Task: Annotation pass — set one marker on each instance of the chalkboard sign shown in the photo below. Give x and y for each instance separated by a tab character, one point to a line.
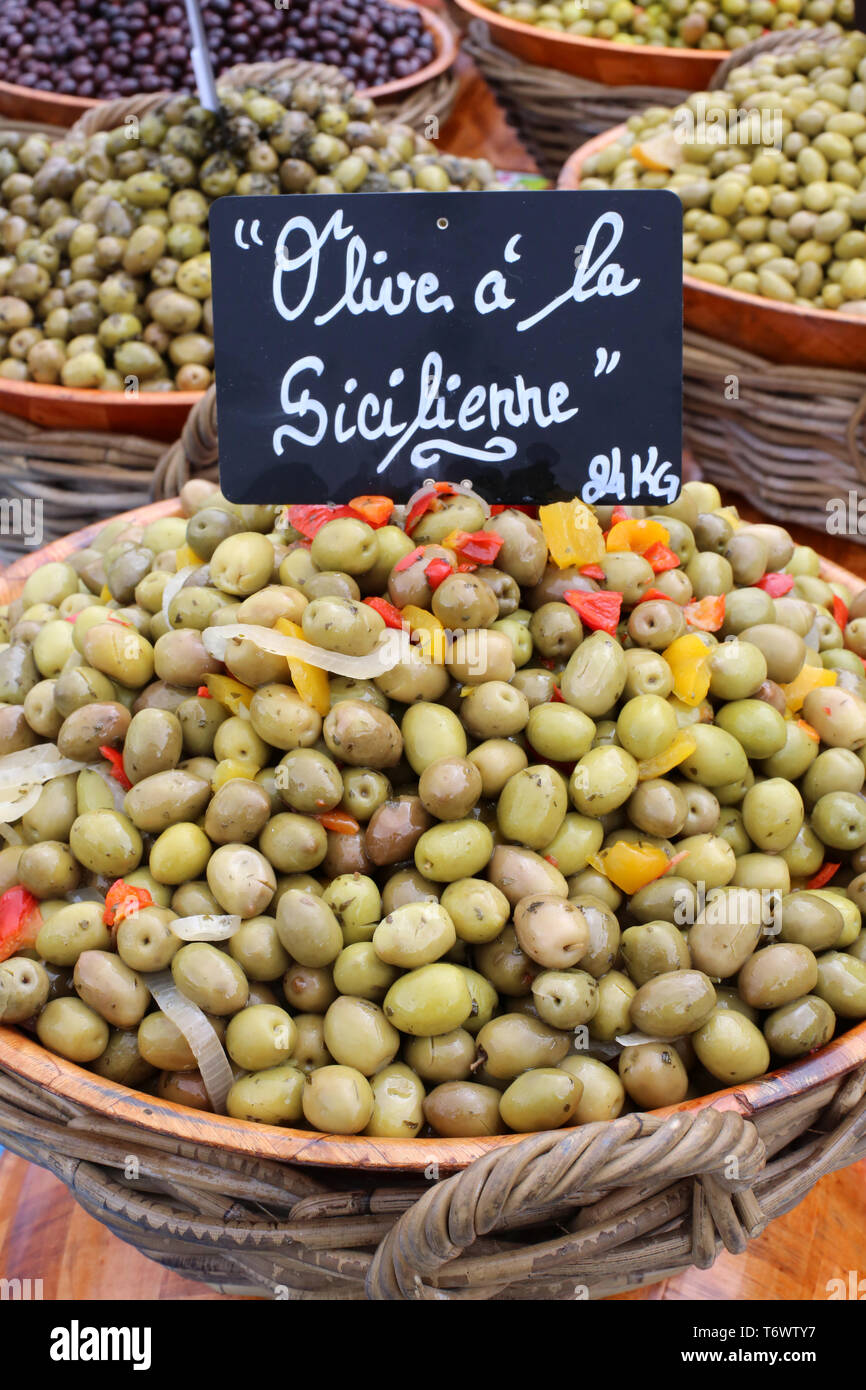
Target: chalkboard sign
531	342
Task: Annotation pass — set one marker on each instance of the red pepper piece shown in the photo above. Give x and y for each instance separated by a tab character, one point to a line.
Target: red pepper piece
660	557
706	613
112	756
592	572
466	567
649	594
311	517
619	514
20	920
597	611
824	874
203	693
428	503
373	509
840	611
409	559
340	822
122	900
480	546
391	616
436	571
776	584
557	697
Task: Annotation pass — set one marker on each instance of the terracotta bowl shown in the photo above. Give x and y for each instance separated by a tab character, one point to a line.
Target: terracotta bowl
28	104
784	333
152	415
600	60
25	1057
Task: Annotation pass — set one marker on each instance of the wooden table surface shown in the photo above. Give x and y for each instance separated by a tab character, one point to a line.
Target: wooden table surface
45	1235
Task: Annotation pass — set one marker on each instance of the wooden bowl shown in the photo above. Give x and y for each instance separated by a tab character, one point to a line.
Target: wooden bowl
25	1057
52	108
152	415
600	60
784	333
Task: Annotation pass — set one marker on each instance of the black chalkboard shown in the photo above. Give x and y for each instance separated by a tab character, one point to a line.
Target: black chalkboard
531	342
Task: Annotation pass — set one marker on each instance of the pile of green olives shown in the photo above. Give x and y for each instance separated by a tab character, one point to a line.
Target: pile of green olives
708	24
445	919
771	173
105	277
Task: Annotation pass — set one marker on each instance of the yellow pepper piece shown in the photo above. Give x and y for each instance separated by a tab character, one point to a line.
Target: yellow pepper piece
311	682
186	556
105	594
230	768
630	865
432	641
689	660
572	533
229	692
682	745
637	534
810	678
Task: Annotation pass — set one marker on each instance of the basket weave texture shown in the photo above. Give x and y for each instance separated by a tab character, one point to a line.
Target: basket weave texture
79	476
602	1209
790	438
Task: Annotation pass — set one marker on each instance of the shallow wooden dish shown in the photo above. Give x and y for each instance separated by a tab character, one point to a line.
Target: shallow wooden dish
22	1055
784	333
615	64
27	103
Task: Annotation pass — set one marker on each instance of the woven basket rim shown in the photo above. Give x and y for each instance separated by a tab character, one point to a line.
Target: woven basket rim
29	1059
587	44
446	40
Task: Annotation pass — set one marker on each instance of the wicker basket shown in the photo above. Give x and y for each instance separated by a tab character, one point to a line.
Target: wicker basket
82	474
790	438
774	396
572	1214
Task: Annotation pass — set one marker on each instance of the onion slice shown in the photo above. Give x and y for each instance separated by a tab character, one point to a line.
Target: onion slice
173	587
637	1039
192	1022
392	649
31	765
15	802
205	927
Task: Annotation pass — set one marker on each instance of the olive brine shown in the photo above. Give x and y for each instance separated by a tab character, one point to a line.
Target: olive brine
437	818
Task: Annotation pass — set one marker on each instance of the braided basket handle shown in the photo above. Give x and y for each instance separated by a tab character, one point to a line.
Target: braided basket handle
643	1161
